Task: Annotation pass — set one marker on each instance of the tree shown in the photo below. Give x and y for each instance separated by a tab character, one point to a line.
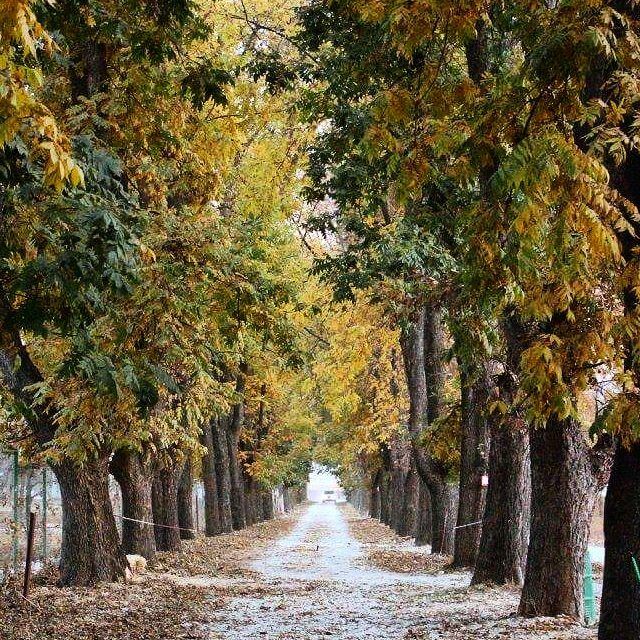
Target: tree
121	288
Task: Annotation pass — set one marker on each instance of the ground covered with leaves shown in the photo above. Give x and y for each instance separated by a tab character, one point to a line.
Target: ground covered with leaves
174	601
323	572
385	550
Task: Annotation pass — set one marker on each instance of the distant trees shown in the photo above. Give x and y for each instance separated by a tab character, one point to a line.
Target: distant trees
479	158
459	179
147	264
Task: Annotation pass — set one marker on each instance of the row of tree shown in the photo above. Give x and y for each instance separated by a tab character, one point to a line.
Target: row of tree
476	174
152	289
470	174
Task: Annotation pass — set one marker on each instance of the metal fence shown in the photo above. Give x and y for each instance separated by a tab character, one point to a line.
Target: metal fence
26	488
23	489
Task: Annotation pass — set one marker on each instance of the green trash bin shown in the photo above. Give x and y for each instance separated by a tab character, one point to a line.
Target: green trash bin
589	595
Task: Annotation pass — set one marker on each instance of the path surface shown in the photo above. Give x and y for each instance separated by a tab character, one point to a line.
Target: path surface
318	582
302	576
314	583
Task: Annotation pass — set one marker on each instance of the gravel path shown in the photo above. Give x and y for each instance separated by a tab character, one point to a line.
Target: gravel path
315	583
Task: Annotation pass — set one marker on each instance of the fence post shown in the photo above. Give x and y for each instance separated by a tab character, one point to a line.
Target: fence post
27	566
16	500
44	516
28	488
589	596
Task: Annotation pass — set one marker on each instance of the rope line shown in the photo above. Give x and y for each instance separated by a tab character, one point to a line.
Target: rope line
153	524
51	525
471	524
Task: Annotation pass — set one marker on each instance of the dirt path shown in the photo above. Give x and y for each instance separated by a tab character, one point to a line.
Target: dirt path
321	572
315	583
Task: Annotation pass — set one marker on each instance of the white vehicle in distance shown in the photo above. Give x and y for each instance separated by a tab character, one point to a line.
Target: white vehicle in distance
337	497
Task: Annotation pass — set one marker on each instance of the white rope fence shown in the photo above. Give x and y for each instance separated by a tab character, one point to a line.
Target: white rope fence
154	524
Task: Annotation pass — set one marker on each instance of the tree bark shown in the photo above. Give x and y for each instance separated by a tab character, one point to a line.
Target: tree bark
385	501
238	515
212	525
374	500
444	505
505	525
289	499
236	423
409	504
474	463
358	499
565	478
423	524
91	550
423	347
250	492
399	461
620	613
396	498
134	474
165	507
434	357
223	475
185	502
267	505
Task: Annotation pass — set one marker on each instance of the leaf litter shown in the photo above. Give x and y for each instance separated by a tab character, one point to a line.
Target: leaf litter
323	572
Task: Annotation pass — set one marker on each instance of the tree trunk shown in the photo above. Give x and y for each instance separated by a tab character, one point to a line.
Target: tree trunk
358	500
236	423
385	498
563	493
212	525
620	613
423	347
91	550
185	502
267	505
474	464
291	497
444	505
505	524
434	358
134	474
399	462
409	504
165	507
423	523
223	475
374	500
250	492
398	481
237	489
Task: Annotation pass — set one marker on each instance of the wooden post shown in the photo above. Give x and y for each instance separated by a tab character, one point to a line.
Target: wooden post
27	566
